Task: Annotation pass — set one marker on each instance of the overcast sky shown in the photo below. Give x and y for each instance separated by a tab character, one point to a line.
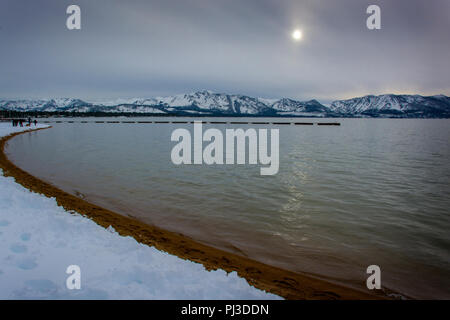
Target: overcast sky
146	48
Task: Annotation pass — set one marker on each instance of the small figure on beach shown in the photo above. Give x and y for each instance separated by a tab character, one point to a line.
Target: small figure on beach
35	122
21	122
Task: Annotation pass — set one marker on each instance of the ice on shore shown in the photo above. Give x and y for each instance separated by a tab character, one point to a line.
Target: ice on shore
39	240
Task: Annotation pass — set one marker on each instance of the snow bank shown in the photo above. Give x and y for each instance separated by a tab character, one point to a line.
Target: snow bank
6	128
39	240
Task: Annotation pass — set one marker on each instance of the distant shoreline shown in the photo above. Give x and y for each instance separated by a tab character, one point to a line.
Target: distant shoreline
285	283
44	115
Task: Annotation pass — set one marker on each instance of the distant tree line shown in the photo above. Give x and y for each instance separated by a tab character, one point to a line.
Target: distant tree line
46	114
369	113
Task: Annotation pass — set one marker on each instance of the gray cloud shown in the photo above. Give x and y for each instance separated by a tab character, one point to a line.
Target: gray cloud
148	48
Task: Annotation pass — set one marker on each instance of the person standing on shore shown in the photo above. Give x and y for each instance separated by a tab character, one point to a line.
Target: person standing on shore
35	122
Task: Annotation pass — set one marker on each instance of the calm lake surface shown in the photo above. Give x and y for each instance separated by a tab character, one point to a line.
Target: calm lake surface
371	191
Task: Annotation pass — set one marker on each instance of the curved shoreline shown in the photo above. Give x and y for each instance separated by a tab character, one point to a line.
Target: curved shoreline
287	284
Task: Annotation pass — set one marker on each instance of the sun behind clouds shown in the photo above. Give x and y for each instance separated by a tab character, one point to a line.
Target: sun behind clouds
297	35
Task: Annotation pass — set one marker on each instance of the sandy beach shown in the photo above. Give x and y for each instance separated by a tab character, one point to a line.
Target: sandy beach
284	283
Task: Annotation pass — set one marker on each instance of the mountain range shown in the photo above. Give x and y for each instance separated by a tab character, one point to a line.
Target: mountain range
219	104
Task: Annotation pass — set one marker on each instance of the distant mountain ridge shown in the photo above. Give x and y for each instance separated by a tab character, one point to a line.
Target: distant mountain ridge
394	105
219	104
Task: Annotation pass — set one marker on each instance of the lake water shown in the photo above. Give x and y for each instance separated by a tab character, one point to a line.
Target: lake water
371	191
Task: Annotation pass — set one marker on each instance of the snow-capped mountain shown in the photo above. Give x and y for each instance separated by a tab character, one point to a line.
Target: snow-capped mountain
210	103
293	105
216	102
202	102
48	105
394	105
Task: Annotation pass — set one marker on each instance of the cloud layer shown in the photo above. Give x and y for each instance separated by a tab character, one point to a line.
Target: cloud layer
148	48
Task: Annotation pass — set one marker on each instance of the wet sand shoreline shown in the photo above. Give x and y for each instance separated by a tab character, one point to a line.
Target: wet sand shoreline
285	283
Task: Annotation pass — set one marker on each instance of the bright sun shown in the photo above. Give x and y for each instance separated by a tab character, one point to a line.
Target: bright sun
297	35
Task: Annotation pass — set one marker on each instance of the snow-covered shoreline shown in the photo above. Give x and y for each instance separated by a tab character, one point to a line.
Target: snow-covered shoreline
39	240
